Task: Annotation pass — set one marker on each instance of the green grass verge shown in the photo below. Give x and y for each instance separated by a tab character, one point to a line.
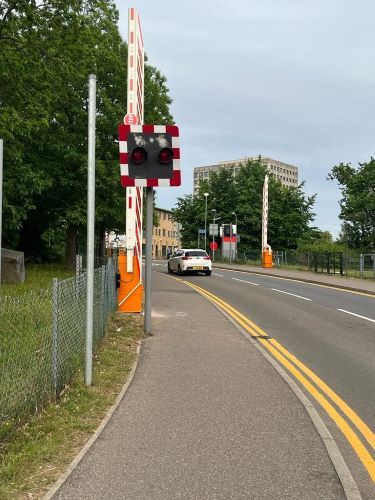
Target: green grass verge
37	276
33	458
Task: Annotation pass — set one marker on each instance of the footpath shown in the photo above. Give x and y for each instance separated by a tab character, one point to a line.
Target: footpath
205	417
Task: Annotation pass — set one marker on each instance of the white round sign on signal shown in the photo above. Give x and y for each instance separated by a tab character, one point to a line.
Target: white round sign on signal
130	119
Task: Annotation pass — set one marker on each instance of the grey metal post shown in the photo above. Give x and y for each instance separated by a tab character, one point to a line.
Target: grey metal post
104	308
205	222
1	196
373	265
55	333
78	274
148	260
230	242
90	228
213	238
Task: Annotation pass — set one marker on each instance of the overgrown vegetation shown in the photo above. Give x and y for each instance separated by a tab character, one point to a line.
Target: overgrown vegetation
35	456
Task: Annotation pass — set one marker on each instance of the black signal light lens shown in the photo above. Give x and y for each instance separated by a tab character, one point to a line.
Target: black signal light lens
166	155
138	155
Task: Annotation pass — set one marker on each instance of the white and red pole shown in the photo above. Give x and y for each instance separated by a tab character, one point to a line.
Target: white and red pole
130	266
266	248
135	114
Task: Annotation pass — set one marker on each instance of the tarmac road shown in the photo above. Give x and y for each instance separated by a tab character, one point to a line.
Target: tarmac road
330	330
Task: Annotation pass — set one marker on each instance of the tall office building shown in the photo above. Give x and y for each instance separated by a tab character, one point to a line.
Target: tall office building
285	173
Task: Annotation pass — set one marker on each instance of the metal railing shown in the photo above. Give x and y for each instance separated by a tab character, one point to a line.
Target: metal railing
42	341
367	264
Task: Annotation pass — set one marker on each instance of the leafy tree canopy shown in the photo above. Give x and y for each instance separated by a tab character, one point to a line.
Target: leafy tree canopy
357	204
290	212
47	50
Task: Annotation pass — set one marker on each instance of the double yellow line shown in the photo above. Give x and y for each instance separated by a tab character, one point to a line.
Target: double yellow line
325	395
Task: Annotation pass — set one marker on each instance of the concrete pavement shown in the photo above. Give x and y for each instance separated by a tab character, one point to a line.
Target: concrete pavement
205	417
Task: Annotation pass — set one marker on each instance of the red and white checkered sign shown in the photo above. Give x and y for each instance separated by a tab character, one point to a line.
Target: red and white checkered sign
126	180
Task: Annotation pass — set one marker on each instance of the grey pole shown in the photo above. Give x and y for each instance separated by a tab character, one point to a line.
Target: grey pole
205	223
213	236
230	242
90	228
148	260
1	197
55	334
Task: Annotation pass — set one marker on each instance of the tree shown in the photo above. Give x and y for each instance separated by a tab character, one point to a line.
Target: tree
290	212
357	204
49	49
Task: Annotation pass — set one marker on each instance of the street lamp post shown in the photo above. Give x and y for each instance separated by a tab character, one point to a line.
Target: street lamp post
205	222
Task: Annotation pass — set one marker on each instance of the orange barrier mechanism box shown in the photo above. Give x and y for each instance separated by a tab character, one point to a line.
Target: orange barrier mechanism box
129	294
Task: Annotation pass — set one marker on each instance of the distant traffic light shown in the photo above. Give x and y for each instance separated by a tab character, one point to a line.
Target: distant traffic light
149	155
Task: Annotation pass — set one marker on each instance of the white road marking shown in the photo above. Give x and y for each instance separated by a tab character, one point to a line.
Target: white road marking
358	315
244	281
293	294
221	275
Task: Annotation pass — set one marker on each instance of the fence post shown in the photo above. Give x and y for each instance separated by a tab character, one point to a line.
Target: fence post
103	301
373	265
361	264
78	273
55	333
341	264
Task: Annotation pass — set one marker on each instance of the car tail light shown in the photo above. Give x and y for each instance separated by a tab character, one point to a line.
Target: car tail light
185	258
206	258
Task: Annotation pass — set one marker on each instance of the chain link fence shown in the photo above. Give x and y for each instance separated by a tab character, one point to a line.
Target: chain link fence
42	341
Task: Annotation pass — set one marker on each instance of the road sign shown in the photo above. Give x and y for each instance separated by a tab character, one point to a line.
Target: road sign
130	119
213	245
213	229
202	231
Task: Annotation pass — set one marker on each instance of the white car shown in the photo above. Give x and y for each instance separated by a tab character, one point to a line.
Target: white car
190	260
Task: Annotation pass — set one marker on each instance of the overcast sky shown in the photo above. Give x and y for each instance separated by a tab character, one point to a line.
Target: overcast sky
290	79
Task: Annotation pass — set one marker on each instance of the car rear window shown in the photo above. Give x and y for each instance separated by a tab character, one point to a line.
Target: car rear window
196	253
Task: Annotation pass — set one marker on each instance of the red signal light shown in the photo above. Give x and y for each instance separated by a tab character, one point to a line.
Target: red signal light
138	155
166	155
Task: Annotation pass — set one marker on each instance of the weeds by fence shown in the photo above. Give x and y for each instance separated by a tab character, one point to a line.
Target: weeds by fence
42	341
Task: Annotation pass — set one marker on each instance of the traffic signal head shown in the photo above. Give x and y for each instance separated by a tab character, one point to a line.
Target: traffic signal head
149	155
